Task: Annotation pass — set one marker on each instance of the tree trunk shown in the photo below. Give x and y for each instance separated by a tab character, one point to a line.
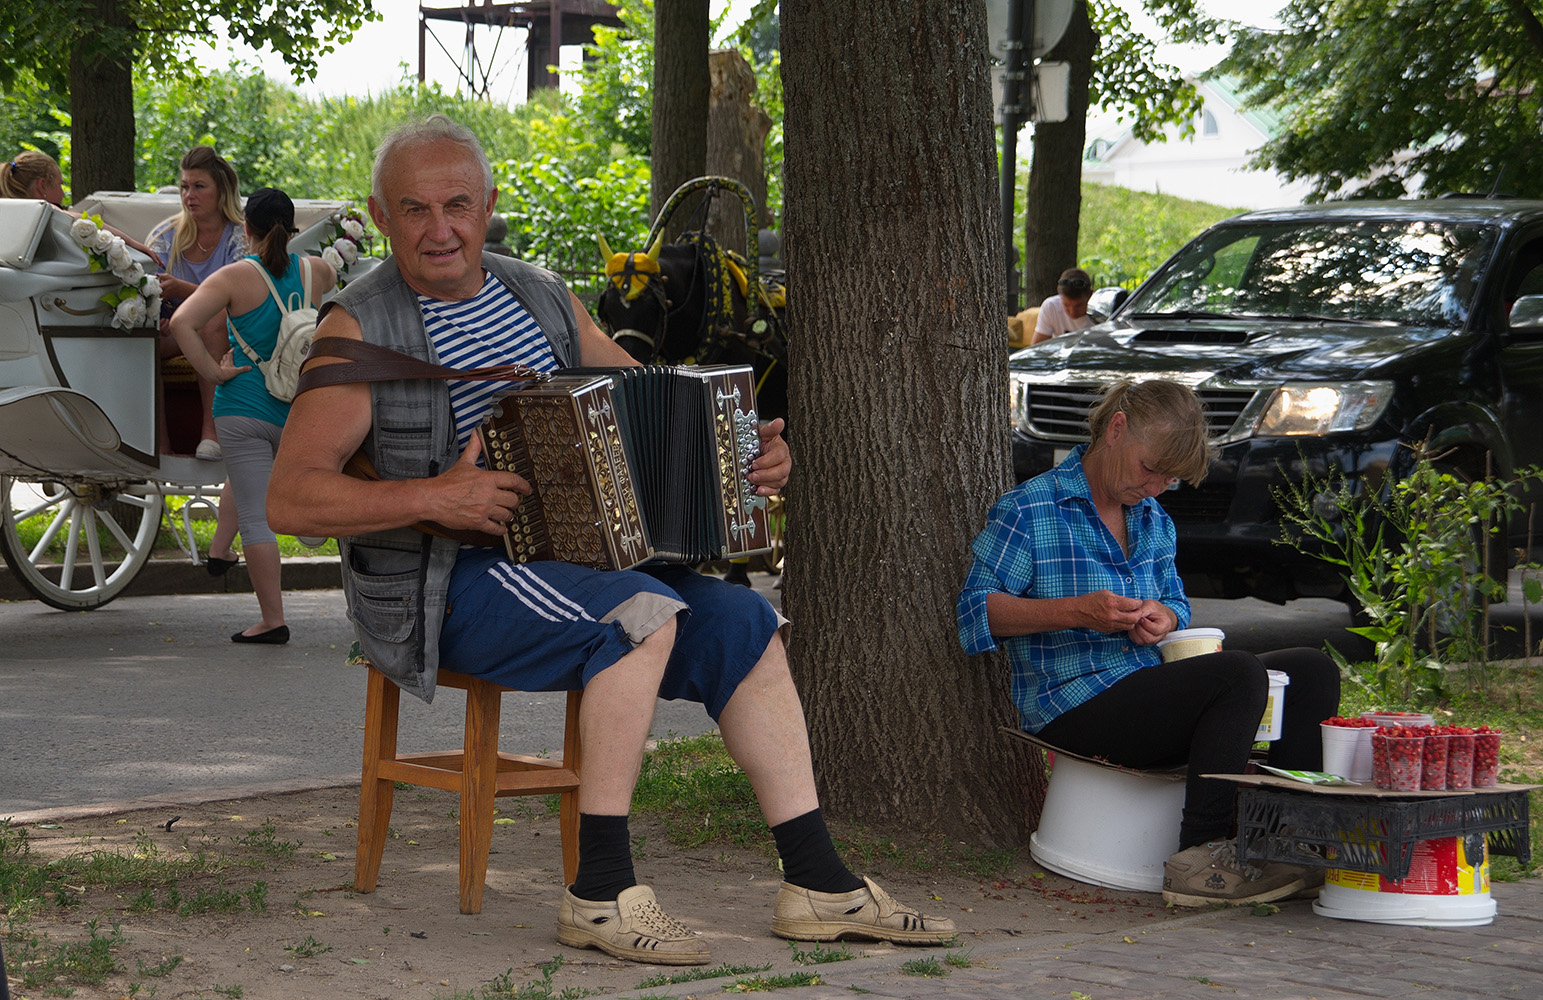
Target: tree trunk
102	112
736	145
1055	173
681	89
898	410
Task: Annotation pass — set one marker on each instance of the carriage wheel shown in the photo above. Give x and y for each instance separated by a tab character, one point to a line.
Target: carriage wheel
77	546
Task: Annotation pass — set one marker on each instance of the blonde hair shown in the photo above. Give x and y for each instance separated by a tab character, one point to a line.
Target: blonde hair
21	174
185	229
1167	416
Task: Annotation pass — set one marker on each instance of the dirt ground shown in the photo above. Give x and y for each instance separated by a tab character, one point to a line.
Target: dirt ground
317	938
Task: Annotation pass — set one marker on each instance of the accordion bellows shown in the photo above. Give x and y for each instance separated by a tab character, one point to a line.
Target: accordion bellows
634	464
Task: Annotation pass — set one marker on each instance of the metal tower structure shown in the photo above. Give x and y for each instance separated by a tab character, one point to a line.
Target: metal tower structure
549	24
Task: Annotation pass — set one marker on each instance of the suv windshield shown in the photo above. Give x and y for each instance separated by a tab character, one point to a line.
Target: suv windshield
1414	273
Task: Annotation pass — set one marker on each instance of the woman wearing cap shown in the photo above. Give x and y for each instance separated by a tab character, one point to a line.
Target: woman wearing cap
1067	310
248	418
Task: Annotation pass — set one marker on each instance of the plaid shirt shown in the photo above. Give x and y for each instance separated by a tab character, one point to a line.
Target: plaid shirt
1044	539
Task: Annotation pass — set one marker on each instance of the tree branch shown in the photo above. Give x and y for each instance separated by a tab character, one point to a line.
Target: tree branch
1531	26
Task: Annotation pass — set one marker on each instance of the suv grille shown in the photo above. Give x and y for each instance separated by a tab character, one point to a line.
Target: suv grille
1060	413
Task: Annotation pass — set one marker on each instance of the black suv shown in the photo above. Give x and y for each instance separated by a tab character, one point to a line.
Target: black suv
1319	337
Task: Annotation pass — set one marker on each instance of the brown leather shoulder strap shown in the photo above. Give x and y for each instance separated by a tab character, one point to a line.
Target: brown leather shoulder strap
367	362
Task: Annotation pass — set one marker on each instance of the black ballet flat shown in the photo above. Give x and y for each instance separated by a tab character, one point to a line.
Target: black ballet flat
272	637
219	567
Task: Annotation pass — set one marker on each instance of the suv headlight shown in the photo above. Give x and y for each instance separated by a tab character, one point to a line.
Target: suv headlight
1323	408
1017	402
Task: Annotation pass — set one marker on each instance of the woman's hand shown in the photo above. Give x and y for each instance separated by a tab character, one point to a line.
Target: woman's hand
1156	621
174	288
228	368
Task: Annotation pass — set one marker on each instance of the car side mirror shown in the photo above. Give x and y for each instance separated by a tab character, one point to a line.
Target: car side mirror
1527	314
1103	303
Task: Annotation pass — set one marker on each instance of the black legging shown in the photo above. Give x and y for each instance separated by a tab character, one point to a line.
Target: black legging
1204	711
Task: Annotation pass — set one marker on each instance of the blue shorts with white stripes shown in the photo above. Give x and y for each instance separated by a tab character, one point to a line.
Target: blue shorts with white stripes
550	626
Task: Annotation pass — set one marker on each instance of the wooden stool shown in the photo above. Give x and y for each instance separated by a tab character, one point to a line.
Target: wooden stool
478	771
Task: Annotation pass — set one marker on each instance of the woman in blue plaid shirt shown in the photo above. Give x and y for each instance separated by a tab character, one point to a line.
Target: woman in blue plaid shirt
1074	577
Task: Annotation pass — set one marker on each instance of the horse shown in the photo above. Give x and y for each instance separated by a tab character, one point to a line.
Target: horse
689	303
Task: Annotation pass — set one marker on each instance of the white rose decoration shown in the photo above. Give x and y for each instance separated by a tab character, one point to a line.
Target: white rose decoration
331	256
102	241
353	228
151	289
119	258
347	249
83	230
130	312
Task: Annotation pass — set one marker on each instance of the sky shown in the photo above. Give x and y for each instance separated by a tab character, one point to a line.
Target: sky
374	60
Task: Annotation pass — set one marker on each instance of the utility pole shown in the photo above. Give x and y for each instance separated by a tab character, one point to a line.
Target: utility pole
1017	84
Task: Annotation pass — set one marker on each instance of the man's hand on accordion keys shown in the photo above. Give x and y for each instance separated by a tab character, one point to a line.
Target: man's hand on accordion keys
769	472
476	498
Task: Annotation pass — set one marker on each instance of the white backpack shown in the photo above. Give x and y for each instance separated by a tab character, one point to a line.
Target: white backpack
297	326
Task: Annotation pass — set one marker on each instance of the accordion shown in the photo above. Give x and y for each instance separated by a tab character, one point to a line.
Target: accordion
633	464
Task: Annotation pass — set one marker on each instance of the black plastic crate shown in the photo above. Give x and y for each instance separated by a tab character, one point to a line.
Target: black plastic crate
1375	835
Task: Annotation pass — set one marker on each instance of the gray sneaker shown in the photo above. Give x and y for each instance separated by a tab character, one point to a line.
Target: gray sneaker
1211	873
632	927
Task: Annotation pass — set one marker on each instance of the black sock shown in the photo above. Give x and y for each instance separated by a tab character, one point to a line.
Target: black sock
809	858
605	858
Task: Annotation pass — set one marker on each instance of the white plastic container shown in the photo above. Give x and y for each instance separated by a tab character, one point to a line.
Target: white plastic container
1107	825
1185	642
1347	751
1275	703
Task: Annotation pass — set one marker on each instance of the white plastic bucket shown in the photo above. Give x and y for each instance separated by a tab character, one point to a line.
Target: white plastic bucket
1185	642
1347	751
1275	702
1445	887
1109	826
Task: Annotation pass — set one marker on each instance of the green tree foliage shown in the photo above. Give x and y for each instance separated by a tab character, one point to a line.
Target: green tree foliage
1124	235
41	35
1128	76
1388	97
617	77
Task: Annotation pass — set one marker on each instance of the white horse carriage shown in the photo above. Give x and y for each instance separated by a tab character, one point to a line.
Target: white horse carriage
81	400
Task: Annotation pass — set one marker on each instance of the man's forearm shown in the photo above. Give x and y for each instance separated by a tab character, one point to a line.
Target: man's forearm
320	502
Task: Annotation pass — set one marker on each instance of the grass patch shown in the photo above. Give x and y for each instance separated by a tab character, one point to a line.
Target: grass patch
198	877
692	975
694	787
927	968
765	984
503	987
820	954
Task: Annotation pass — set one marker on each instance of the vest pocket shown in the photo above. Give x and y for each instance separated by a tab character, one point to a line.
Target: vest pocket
386	605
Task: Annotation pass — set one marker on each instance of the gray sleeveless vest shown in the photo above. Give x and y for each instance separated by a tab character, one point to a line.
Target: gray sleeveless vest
396	581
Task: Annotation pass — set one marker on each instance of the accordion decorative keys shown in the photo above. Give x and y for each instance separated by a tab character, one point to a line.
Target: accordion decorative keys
633	464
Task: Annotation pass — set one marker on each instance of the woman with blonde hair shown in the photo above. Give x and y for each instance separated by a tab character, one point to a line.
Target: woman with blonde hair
250	419
205	236
31	174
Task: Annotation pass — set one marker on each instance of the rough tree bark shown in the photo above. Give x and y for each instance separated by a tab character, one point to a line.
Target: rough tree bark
899	411
102	129
1055	172
736	144
681	89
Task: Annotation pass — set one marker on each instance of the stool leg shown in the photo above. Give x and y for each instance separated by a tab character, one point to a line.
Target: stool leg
568	815
479	784
381	701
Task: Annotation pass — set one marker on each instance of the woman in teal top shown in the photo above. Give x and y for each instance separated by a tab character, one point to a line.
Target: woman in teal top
249	420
